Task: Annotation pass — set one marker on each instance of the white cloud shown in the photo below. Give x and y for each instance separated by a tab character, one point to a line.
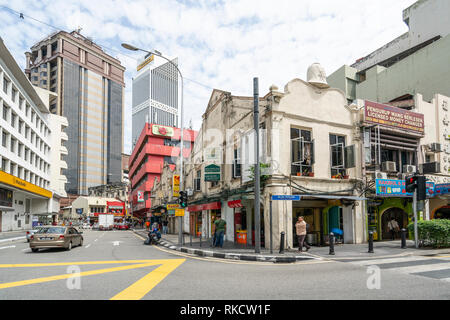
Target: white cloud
219	44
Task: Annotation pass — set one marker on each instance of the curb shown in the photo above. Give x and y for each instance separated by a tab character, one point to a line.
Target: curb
12	239
235	256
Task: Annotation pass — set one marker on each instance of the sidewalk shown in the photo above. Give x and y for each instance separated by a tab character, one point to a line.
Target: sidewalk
229	250
12	235
342	251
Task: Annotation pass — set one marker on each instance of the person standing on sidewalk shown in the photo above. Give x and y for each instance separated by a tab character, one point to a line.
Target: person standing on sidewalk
300	228
165	223
220	228
393	227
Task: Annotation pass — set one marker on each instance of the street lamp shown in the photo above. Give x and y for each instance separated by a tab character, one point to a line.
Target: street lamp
157	53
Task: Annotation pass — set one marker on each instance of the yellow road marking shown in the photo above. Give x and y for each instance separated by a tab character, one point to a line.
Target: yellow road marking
135	291
143	286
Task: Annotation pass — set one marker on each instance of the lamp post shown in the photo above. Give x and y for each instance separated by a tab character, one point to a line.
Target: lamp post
157	53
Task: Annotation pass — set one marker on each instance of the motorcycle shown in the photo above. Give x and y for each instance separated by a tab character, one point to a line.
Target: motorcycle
153	237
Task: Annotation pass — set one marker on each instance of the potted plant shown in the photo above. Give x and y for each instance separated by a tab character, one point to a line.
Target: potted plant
346	176
311	174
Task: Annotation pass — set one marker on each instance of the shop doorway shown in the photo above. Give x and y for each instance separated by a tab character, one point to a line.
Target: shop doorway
0	221
309	217
442	213
399	215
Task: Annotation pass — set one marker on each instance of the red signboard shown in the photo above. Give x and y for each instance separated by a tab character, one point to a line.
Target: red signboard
393	117
207	206
235	204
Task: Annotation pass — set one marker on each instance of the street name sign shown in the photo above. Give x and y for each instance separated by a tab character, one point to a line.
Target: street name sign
286	197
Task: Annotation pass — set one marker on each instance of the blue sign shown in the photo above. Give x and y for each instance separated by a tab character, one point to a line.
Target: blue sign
442	188
79	211
396	188
286	197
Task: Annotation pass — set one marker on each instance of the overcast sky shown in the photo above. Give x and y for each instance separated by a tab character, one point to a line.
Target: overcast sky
220	44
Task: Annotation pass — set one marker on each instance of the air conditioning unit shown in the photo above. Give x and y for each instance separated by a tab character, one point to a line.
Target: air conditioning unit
430	167
409	169
436	147
388	166
380	175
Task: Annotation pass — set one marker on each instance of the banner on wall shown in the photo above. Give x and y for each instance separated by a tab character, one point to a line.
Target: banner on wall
396	188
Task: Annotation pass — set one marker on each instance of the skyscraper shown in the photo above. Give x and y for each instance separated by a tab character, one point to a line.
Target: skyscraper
155	95
90	89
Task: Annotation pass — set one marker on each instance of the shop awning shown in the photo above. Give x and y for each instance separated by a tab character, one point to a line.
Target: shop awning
333	197
205	206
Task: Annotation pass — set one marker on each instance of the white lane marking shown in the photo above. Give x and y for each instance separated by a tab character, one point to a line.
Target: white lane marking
88	246
95	239
116	243
7	247
26	249
392	260
424	268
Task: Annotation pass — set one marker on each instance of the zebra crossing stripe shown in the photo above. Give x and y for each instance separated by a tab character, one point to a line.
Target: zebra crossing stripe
389	260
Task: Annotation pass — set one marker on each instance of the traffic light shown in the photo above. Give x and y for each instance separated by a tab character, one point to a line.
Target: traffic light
183	199
421	188
418	183
411	183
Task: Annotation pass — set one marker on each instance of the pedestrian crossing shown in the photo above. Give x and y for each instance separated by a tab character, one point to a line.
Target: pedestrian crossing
435	267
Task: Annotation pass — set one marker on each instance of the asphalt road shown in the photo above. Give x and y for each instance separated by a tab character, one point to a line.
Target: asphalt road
116	265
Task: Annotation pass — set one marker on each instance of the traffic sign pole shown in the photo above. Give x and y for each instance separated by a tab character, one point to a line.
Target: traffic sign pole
416	234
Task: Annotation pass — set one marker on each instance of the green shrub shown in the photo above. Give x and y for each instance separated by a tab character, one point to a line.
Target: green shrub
435	233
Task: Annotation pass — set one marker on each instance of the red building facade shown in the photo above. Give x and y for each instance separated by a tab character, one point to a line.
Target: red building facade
156	146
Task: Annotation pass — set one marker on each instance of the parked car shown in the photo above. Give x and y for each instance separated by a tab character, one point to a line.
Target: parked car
122	226
31	232
55	237
86	226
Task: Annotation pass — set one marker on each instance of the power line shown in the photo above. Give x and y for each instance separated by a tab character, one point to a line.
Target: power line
23	16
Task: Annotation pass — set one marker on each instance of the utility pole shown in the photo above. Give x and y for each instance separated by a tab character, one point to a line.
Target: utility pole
257	175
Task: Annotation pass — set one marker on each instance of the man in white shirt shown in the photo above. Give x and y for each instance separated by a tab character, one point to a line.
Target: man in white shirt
393	228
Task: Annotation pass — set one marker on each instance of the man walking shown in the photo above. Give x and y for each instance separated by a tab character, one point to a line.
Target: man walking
220	228
393	227
300	227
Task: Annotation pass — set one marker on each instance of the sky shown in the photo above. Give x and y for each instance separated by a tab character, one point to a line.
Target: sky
220	44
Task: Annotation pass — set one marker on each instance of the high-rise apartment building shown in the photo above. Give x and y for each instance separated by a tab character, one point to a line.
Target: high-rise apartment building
89	86
155	95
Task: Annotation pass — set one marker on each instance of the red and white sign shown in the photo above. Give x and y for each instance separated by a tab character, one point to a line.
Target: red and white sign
393	117
162	130
235	204
207	206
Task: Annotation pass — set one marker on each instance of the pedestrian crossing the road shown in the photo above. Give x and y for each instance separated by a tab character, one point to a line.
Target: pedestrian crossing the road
435	267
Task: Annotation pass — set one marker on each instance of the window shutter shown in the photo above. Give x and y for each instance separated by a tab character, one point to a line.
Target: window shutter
349	156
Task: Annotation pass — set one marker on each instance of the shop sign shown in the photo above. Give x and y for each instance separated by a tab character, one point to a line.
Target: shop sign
179	212
173	206
393	117
235	204
442	188
171	213
176	185
391	187
79	211
23	185
212	173
140	196
163	131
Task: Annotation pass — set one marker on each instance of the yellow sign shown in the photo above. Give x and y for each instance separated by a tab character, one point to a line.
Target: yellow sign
23	185
176	185
179	212
173	206
146	62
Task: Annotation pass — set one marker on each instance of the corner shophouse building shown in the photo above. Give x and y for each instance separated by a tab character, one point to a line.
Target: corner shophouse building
307	131
25	150
88	208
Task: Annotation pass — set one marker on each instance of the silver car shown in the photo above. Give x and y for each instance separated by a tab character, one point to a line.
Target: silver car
31	232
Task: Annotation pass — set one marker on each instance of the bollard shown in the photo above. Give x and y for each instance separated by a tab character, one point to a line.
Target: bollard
331	243
370	242
403	238
282	242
